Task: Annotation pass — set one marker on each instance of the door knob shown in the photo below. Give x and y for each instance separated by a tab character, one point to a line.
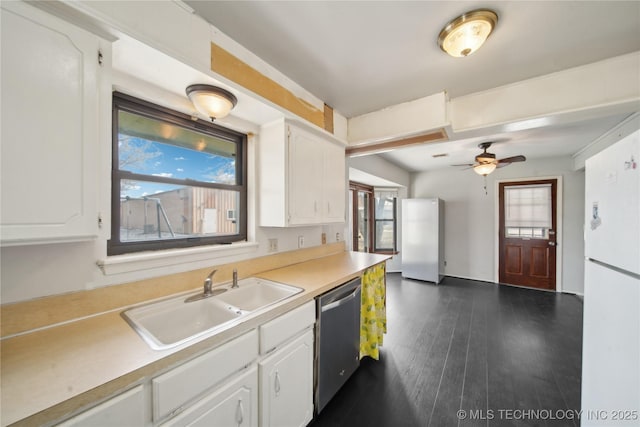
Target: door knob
553	244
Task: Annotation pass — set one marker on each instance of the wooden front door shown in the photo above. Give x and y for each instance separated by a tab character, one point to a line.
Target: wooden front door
527	233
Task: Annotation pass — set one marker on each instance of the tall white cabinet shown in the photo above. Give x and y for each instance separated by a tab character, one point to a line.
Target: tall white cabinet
302	176
55	83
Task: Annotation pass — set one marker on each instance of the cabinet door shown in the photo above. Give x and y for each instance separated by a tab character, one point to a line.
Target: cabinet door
334	184
305	177
286	385
234	404
127	409
50	88
175	389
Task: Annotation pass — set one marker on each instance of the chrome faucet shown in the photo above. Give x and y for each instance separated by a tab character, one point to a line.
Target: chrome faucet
235	279
208	284
208	289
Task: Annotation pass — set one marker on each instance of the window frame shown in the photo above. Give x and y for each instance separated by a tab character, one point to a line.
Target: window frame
355	188
394	220
123	102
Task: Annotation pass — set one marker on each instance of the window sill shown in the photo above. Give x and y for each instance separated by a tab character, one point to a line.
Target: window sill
155	259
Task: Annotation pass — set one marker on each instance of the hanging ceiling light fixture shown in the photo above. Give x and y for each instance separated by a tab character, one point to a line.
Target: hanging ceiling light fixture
212	101
485	169
465	34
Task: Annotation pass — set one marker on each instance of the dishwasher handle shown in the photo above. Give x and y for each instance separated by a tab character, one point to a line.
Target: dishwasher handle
341	301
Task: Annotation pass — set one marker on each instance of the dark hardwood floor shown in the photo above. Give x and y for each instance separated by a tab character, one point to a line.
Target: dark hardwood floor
506	356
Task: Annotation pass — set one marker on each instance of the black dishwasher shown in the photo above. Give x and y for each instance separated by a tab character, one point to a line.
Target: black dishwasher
337	340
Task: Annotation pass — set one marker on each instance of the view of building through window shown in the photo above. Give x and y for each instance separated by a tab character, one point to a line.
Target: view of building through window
174	183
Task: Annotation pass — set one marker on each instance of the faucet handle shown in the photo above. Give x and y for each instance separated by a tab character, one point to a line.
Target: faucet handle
234	283
208	283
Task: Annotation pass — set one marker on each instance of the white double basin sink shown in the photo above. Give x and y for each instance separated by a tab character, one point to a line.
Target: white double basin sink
172	322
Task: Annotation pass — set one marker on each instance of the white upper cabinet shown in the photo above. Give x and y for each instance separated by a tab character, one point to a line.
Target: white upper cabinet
302	177
52	87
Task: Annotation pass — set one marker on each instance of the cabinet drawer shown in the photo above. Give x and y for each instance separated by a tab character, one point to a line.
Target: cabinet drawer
233	404
177	387
286	326
126	409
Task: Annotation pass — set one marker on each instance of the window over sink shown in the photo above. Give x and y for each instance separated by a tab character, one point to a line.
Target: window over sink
174	180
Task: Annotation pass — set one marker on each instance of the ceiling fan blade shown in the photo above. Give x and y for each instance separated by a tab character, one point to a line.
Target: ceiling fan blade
464	164
513	159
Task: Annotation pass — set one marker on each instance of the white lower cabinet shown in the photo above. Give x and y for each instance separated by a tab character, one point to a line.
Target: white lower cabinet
261	378
234	404
286	384
286	368
126	409
175	391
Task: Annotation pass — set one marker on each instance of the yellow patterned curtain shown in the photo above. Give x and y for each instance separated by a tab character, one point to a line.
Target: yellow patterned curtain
373	316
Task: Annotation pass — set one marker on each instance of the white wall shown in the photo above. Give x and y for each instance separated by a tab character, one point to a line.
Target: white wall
29	272
34	271
382	168
470	216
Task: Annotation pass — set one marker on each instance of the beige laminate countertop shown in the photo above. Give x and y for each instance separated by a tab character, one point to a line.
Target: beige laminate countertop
53	372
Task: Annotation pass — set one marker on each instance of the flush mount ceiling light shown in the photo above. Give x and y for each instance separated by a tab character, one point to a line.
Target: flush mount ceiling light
212	101
466	33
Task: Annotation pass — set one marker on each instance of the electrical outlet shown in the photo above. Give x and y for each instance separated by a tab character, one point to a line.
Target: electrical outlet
301	241
273	245
337	237
324	238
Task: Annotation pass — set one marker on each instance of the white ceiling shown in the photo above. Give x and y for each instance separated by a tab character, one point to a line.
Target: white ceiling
361	56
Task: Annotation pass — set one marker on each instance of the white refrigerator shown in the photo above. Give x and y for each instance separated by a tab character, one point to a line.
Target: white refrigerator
611	328
423	239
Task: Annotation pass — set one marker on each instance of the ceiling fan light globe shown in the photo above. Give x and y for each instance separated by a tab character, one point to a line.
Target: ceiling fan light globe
484	169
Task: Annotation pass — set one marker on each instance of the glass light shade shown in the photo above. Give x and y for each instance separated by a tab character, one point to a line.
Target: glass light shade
211	101
484	169
465	34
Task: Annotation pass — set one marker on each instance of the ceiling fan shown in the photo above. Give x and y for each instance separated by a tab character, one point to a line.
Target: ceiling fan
487	162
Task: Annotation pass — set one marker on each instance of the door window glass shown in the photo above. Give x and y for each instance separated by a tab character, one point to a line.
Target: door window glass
527	211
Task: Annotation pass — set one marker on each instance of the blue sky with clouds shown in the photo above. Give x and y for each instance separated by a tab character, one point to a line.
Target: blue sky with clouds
158	159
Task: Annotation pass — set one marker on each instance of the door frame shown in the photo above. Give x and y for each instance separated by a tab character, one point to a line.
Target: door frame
356	186
559	228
